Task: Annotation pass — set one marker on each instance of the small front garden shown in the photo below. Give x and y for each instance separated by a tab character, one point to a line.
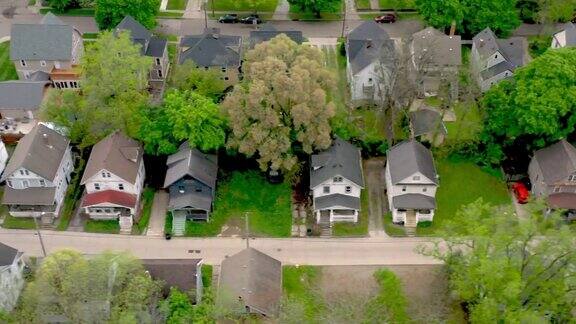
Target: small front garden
268	207
7	69
176	4
242	5
397	4
17	222
355	229
147	199
102	226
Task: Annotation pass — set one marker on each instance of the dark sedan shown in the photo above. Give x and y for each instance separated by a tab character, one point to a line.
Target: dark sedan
228	19
387	18
252	19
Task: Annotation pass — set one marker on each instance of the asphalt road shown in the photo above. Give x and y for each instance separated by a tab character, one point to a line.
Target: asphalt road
311	251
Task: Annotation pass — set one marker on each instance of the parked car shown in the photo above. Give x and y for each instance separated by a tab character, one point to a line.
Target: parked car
252	19
228	19
387	18
520	192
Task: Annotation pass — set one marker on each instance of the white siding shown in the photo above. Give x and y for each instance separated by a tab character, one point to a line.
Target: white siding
11	284
559	39
337	188
112	183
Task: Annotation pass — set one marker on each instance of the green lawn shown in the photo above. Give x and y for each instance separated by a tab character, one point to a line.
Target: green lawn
268	206
362	4
85	12
397	4
17	222
468	124
169	14
176	4
90	35
102	226
147	198
391	228
73	195
332	13
538	45
358	229
242	5
300	284
168	223
7	69
207	270
462	183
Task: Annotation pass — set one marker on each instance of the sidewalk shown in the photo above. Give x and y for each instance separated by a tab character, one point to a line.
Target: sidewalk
158	216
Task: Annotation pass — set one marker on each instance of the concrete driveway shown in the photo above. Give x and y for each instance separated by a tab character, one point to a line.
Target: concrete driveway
158	214
375	187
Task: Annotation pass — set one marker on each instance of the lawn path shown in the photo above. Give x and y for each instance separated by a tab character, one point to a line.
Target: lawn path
374	176
158	216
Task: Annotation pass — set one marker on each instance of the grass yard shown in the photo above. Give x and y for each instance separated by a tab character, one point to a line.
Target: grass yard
73	195
397	4
391	228
462	183
7	69
332	13
362	4
207	270
358	229
169	14
168	223
268	206
83	12
102	226
538	45
176	4
300	285
468	122
17	222
142	224
242	5
90	35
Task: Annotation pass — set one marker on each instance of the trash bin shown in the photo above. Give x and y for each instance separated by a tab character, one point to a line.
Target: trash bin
168	236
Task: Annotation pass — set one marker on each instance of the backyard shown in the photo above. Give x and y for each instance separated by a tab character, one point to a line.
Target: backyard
7	69
268	207
242	5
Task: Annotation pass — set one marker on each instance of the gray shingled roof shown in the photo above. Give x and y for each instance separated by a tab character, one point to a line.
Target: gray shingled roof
40	196
497	69
570	30
340	159
330	201
514	49
137	31
255	277
557	161
7	254
437	48
260	36
189	197
49	40
368	43
179	273
414	201
191	162
156	47
426	121
26	95
116	153
40	151
409	157
211	49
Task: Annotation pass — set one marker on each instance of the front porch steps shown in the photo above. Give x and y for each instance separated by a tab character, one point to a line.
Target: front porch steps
178	226
325	229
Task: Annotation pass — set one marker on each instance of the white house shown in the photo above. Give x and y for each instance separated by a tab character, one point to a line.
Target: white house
11	279
495	59
3	157
565	37
411	183
114	178
336	182
38	174
371	56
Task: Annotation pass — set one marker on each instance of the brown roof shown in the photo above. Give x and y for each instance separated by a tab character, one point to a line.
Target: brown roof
179	273
255	278
110	197
562	200
41	151
117	154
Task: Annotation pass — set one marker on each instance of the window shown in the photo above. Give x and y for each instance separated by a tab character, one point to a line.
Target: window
338	179
21	172
42	183
404	188
416	178
26	172
348	189
98	210
424	211
198	189
9	183
157	61
107	210
25	183
226	78
97	186
424	189
106	174
181	189
496	56
120	186
224	70
556	189
160	74
205	68
42	63
572	177
22	62
326	189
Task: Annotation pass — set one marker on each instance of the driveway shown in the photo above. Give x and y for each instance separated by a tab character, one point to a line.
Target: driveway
375	187
158	214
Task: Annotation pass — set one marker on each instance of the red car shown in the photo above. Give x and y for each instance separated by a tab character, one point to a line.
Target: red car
521	192
387	18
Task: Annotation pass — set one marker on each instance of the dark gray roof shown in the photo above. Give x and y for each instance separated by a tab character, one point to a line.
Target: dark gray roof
557	161
437	48
497	69
156	47
368	43
51	40
340	159
426	121
255	277
40	151
570	30
7	254
38	196
39	76
137	31
190	193
178	273
514	49
414	201
211	49
191	162
330	201
409	157
260	36
26	95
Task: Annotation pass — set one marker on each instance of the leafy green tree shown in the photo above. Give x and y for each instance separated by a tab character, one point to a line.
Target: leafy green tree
535	108
205	82
316	6
60	5
441	13
509	269
282	102
110	12
551	11
156	131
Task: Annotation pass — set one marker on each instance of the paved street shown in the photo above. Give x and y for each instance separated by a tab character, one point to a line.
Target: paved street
312	251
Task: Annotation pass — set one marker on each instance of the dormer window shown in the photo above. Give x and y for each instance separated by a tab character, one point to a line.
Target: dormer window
556	189
338	179
181	189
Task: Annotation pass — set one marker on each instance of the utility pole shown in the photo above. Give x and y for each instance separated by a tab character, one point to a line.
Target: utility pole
39	235
213	16
205	14
344	17
247	230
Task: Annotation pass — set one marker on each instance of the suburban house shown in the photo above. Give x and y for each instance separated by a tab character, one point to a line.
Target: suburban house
371	56
151	46
426	124
184	274
565	37
11	277
552	172
3	157
411	183
212	50
21	100
495	59
253	281
49	50
436	58
191	180
336	181
38	174
114	178
267	32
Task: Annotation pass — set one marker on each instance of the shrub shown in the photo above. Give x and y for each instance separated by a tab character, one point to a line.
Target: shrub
424	224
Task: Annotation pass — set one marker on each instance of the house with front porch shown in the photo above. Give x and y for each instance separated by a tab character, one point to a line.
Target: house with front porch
49	50
114	178
191	181
336	182
38	174
11	277
411	183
